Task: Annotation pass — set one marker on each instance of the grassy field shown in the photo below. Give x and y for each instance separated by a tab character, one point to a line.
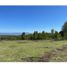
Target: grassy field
41	50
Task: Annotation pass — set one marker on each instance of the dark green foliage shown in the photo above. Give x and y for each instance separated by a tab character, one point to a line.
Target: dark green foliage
52	33
64	29
62	34
35	35
57	36
43	35
23	36
39	36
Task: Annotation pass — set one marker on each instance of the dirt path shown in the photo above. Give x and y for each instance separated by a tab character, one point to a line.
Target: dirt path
54	55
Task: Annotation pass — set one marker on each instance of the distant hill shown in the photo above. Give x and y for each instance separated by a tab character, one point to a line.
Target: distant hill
13	33
10	33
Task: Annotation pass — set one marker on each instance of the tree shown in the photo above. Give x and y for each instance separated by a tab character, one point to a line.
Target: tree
43	35
23	36
52	33
62	34
57	36
64	29
35	35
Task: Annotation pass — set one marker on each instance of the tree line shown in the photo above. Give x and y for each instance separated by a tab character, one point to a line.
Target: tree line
46	35
55	35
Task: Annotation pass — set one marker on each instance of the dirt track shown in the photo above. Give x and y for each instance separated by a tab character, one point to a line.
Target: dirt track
54	55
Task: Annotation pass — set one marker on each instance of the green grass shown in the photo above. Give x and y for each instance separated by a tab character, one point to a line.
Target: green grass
15	50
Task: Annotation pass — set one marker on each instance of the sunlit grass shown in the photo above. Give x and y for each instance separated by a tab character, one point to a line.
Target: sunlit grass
15	50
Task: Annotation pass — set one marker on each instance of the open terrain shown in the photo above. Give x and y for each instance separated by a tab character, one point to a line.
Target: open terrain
33	51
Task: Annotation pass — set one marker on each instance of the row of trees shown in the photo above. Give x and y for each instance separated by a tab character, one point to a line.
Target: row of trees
39	35
45	35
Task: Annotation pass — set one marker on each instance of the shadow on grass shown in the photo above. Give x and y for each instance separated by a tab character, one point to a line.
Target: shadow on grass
44	58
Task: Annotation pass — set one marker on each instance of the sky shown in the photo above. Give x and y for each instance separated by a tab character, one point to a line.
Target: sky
32	18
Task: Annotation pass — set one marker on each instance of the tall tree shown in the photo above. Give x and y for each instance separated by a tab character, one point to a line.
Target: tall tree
57	36
43	35
52	33
64	29
35	35
23	36
62	34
